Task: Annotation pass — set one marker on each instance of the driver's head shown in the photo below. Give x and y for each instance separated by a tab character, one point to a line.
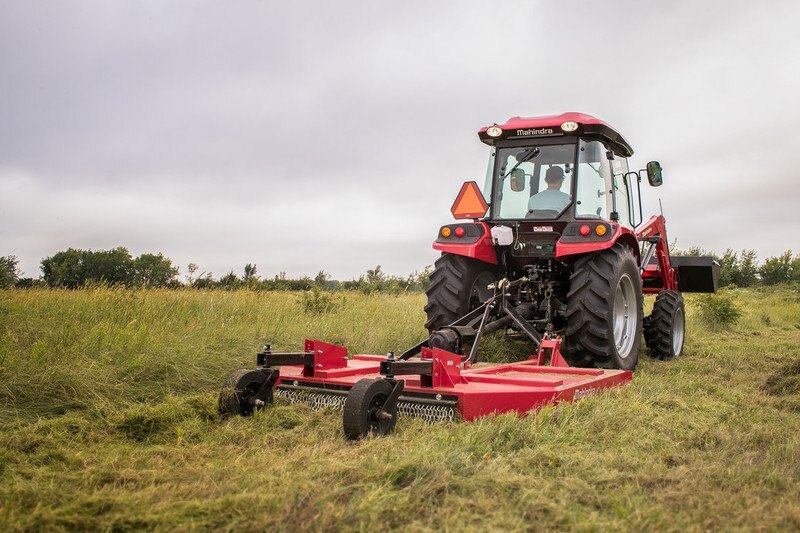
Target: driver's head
554	176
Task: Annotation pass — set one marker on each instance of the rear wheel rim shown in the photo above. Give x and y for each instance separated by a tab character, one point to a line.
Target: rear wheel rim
624	316
677	332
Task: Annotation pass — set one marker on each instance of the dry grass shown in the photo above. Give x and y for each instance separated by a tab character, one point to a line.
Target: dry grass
108	422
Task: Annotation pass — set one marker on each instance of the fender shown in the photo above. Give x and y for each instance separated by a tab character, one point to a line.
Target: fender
572	244
475	243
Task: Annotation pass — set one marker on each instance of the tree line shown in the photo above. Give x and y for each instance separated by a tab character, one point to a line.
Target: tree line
74	268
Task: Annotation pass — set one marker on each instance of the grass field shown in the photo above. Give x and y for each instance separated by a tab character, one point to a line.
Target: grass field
108	422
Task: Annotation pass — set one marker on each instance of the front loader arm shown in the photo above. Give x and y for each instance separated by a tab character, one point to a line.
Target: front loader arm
660	276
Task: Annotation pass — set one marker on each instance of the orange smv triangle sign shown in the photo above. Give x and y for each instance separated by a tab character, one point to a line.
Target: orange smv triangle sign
469	202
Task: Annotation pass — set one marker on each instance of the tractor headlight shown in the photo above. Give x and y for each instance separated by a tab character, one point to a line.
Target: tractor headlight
494	131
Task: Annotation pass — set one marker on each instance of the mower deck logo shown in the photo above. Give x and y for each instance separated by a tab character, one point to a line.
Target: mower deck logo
584	393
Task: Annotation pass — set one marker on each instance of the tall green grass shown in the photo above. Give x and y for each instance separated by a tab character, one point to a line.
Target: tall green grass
108	422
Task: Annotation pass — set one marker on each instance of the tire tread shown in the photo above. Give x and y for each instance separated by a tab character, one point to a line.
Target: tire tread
658	327
590	300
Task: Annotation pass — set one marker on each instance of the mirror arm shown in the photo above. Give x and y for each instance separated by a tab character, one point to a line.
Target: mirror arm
638	175
641	214
628	192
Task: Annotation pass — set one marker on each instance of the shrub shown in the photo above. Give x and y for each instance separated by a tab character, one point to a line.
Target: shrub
317	302
719	310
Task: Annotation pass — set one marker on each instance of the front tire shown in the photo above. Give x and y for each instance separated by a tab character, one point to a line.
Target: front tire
666	326
458	285
604	310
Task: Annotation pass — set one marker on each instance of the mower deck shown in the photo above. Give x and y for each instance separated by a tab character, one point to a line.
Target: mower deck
472	392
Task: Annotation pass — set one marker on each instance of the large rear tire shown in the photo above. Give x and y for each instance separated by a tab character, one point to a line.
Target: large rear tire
458	285
664	329
604	310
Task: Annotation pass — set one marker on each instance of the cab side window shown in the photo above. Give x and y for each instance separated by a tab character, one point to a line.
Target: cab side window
593	195
622	190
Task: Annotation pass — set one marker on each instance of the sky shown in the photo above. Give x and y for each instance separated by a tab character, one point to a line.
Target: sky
307	136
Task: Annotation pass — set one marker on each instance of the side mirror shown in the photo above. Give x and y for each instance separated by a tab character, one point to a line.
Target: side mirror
654	173
517	180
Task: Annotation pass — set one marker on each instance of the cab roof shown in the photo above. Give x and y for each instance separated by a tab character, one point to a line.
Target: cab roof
550	126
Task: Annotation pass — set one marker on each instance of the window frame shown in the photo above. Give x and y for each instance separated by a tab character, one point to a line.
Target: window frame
606	152
547	141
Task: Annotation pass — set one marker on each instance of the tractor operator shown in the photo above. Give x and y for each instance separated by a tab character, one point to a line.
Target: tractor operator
552	198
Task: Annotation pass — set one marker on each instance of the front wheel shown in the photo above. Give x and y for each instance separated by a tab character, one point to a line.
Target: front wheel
666	326
604	310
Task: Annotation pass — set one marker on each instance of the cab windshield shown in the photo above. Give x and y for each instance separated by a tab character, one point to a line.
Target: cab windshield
533	182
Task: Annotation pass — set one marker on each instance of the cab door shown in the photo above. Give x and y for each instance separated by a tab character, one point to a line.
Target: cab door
626	192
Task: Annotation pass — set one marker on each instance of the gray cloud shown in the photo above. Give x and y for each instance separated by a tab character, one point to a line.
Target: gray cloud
317	135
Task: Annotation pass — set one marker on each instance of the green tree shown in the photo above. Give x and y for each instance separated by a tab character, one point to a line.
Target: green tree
112	266
729	267
375	275
229	281
72	268
153	270
278	283
321	279
250	272
65	269
747	273
204	281
777	269
420	281
796	268
9	273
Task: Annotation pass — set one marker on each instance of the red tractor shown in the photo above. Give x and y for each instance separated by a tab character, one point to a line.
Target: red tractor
561	215
555	248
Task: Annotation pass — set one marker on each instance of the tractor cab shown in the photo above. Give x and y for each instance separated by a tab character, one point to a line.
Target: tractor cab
559	168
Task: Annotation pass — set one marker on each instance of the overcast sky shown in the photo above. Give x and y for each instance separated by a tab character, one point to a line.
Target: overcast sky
334	135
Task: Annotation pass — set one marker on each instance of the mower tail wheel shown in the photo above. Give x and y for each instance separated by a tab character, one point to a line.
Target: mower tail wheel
240	393
665	328
363	410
